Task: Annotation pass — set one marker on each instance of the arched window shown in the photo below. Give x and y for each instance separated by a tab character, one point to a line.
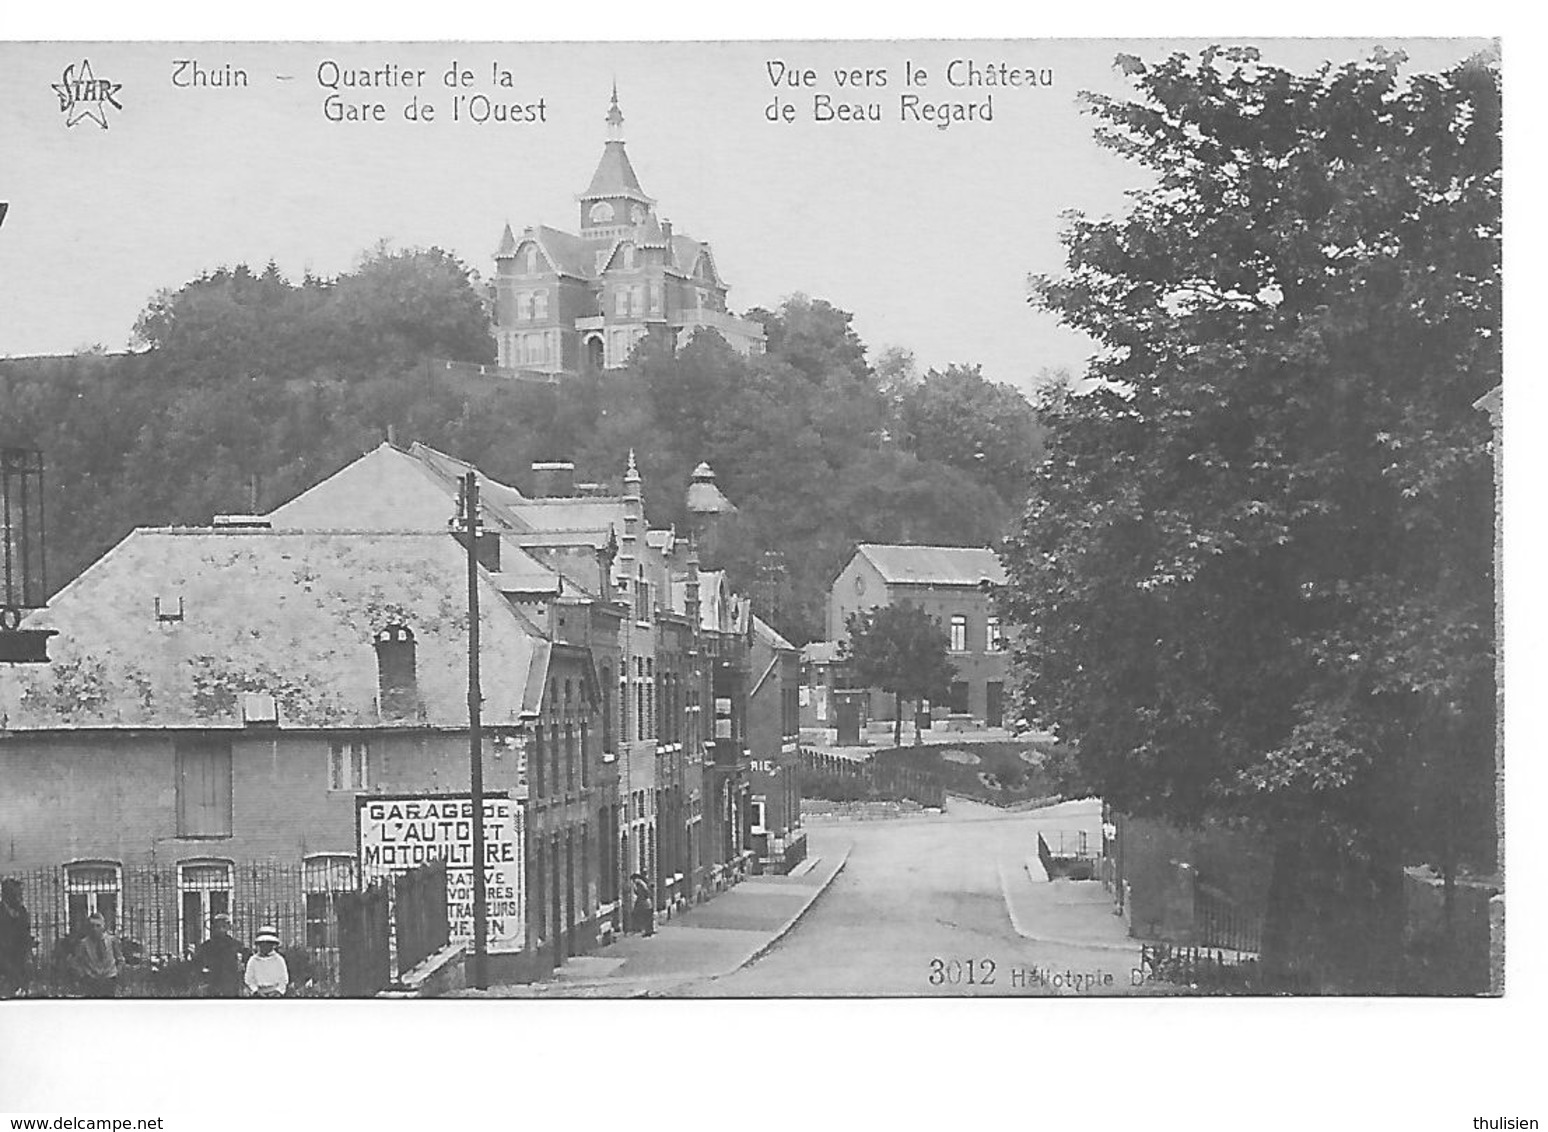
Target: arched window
323	876
204	890
94	886
601	213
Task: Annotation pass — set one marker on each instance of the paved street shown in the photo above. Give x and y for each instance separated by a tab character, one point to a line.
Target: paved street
944	888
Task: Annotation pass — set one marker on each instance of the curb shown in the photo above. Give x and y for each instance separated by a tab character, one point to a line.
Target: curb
1088	945
662	985
791	923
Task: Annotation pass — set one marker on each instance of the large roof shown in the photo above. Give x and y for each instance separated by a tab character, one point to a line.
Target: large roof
288	615
934	565
769	635
578	513
615	176
569	253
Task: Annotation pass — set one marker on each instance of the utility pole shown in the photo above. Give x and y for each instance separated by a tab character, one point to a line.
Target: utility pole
470	530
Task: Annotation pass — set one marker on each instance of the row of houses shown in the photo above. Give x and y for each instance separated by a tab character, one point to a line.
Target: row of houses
222	701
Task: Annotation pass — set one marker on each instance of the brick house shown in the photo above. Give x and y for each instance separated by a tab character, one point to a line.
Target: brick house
954	584
774	744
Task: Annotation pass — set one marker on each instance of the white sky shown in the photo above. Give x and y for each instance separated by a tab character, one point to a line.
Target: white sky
927	235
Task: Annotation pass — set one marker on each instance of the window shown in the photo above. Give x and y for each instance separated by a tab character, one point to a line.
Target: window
323	876
623	706
958	633
569	757
203	787
626	255
607	709
94	886
756	812
540	305
655	298
959	697
537	762
553	748
524	306
993	639
637	299
204	888
349	762
621	302
532	261
585	754
601	212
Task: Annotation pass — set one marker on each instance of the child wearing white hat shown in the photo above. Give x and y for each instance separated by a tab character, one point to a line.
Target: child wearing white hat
267	975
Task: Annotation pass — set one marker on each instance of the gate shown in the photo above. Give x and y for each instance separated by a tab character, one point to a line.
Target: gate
365	941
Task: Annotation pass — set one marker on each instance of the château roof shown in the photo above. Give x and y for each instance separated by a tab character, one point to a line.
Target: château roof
570	254
615	176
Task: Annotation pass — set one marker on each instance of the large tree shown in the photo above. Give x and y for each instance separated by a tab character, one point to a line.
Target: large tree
1254	576
900	649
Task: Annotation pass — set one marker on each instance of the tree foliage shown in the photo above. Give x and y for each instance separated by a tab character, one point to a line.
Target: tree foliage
250	388
1254	574
900	649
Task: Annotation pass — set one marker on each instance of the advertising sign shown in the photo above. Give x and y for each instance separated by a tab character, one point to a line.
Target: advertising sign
400	832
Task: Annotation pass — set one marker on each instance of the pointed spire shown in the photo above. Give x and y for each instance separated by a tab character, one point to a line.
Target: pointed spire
507	243
614	176
615	118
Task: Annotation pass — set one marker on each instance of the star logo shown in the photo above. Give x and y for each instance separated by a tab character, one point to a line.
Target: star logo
83	95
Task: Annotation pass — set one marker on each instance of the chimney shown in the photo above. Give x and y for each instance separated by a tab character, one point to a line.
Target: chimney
553	479
666	232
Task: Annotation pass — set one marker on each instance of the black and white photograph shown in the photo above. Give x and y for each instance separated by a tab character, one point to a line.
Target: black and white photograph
493	523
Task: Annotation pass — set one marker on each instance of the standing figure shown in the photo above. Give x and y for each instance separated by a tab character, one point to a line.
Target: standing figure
267	974
97	960
15	939
644	906
218	961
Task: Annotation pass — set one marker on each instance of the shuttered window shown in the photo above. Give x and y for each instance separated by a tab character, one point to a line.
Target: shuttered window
203	787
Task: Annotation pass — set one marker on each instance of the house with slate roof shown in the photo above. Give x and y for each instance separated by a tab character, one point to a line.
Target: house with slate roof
572	302
954	584
219	698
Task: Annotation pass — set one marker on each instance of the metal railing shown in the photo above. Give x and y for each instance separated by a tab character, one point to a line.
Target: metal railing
161	913
1220	922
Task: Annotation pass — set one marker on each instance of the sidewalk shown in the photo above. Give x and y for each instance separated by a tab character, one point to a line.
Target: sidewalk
706	942
1064	913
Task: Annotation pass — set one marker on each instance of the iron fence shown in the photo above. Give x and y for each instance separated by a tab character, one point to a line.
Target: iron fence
161	913
839	779
1219	921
